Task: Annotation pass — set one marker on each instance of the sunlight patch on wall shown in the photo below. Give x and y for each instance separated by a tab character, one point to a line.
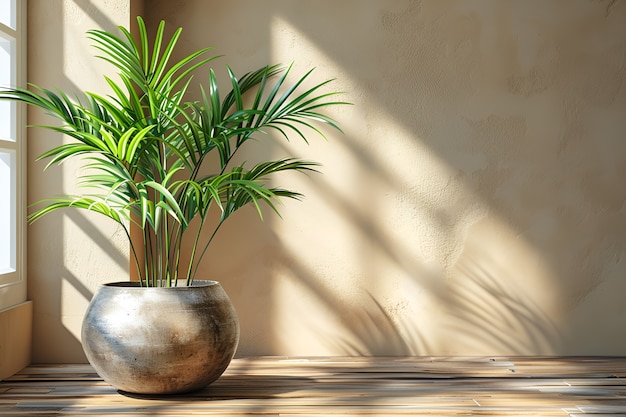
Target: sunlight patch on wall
394	183
73	305
102	256
81	17
391	236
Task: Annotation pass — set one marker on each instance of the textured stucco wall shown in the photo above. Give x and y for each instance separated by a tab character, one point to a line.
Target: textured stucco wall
69	253
475	204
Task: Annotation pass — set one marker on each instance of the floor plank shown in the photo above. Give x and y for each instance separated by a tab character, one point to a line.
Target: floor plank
315	387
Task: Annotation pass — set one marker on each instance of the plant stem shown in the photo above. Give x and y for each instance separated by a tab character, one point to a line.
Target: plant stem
206	246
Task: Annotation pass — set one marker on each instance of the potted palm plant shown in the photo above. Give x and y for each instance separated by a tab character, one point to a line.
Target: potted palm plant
157	161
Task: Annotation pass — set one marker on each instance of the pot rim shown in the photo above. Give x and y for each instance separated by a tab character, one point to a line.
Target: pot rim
181	285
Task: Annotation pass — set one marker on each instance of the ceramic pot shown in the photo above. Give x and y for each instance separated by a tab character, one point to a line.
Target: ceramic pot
160	340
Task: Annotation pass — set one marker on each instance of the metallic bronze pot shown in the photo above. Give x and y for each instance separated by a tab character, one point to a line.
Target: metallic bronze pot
160	340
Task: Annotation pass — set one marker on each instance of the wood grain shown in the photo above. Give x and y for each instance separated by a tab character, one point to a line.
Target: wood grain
314	387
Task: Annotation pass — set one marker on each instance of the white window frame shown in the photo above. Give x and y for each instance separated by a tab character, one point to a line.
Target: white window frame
13	281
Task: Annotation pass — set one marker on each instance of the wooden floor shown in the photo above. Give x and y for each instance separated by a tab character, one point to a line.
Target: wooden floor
343	387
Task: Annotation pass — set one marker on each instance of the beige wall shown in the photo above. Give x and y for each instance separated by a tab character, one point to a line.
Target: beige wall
474	206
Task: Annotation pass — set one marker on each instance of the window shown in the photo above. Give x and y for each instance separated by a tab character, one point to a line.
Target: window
12	155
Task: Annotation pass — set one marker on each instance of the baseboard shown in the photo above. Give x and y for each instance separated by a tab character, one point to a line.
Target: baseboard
16	325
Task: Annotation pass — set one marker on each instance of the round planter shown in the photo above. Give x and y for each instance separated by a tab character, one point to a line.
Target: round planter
160	340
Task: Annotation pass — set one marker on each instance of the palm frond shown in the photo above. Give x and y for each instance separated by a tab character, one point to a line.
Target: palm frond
156	160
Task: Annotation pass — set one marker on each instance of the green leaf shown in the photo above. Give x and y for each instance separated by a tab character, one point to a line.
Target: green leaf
159	161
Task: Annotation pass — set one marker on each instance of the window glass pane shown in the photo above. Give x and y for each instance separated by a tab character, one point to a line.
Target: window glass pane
7	13
7	79
7	211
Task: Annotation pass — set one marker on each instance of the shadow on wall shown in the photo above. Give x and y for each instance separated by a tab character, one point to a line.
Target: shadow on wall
372	331
364	329
480	314
485	315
